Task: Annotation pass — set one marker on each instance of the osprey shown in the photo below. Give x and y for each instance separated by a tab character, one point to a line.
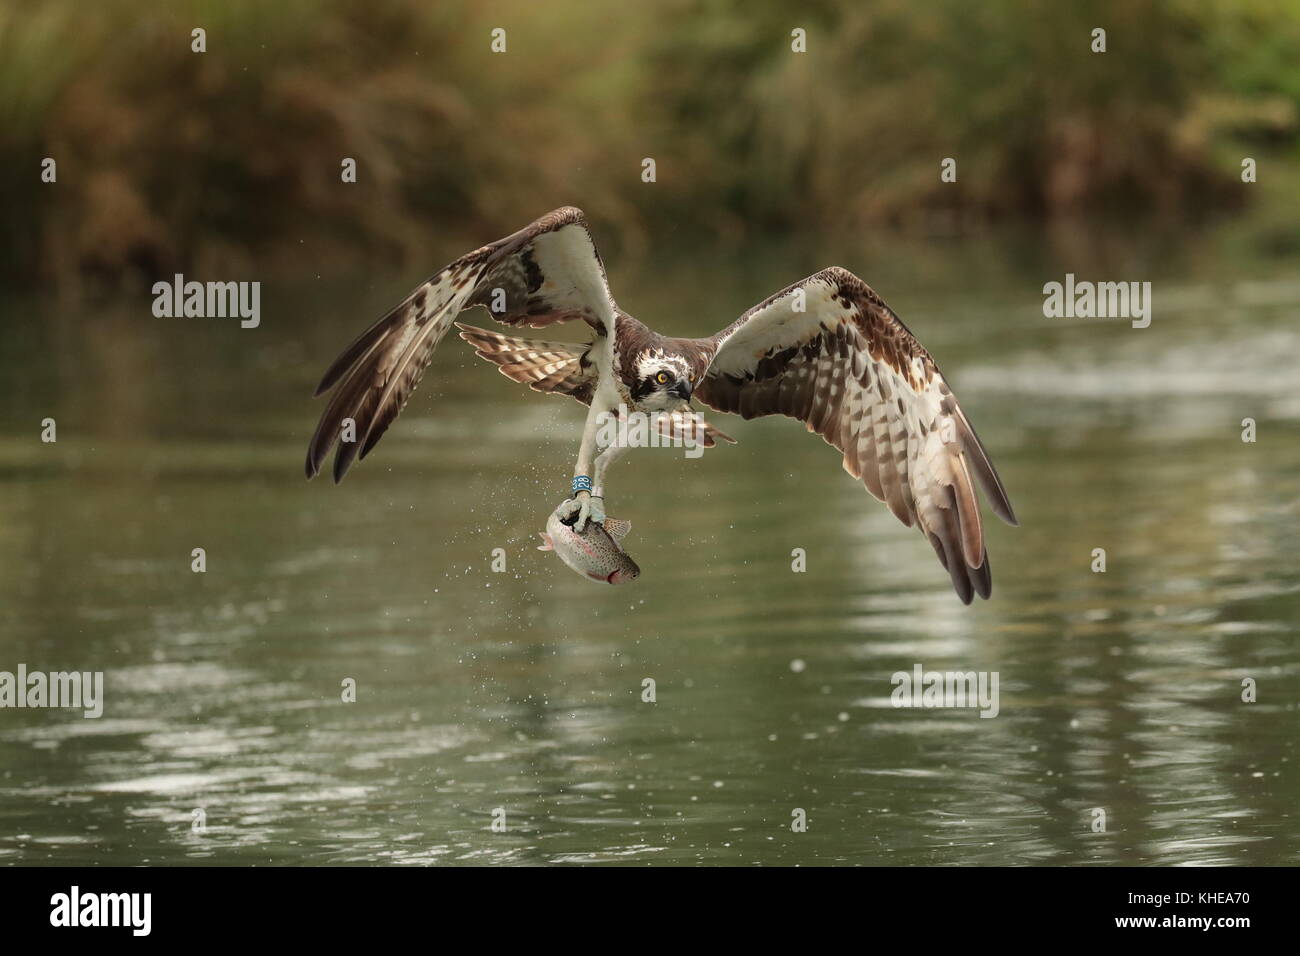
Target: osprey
826	351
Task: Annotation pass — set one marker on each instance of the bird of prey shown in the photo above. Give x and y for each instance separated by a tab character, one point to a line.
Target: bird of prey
826	351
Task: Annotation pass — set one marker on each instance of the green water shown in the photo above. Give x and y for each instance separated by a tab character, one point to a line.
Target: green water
522	690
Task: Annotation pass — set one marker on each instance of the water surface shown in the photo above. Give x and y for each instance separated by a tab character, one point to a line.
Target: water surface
522	691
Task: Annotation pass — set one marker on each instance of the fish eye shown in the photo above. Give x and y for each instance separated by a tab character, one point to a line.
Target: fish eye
662	378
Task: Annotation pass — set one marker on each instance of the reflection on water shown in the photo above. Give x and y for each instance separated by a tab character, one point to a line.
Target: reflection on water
522	690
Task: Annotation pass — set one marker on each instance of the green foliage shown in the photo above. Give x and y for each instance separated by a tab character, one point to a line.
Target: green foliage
172	159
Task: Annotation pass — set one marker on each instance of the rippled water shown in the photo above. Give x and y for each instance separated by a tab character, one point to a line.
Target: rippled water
522	690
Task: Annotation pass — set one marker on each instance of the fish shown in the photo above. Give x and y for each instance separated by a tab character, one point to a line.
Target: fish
596	553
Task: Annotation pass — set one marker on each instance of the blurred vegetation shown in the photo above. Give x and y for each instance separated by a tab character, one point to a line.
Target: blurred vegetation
229	161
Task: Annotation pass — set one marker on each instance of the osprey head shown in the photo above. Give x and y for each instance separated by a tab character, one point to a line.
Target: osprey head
662	381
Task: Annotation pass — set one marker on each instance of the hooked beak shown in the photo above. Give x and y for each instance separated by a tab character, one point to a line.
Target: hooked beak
682	390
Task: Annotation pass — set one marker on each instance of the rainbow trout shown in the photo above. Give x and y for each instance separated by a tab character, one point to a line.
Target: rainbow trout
595	554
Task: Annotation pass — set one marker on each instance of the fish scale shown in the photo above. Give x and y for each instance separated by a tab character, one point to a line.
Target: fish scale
595	553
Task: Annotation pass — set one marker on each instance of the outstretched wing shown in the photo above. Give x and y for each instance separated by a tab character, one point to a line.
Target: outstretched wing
548	272
829	352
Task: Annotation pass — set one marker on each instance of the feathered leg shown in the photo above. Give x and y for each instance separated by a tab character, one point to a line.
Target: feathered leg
581	503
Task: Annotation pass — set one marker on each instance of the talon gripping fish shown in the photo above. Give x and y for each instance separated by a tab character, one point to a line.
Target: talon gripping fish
596	553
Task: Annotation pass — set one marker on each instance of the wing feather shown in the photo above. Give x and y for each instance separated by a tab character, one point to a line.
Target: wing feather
557	367
846	366
547	272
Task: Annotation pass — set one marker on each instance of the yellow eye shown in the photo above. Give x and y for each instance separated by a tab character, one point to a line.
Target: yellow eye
662	378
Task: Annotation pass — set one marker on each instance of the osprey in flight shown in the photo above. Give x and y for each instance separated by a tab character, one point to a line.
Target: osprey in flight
826	351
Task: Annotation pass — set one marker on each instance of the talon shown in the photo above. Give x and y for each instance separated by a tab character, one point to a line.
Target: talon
584	512
569	510
577	511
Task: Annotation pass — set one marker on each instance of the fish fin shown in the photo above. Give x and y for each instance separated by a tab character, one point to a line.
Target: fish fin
617	528
549	545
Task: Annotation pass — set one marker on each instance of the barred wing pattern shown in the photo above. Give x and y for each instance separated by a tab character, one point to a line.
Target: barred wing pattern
547	272
828	352
564	368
